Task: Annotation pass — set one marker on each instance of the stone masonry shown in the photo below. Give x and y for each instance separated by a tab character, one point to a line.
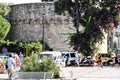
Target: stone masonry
27	22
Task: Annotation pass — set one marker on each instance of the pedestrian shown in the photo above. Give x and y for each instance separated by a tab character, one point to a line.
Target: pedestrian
100	60
2	67
20	57
113	61
67	61
117	62
58	61
10	65
17	62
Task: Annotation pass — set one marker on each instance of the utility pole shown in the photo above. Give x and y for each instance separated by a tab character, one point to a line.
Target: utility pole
43	35
43	23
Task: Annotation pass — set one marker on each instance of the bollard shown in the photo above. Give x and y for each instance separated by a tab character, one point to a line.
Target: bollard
44	76
71	75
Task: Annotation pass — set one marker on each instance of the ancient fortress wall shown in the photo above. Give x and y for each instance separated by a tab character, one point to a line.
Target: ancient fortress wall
28	20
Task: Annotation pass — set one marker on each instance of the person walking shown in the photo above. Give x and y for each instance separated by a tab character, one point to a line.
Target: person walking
100	60
113	61
117	61
10	65
17	62
20	57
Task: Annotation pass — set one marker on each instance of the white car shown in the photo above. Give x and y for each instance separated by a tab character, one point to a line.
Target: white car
50	54
53	54
71	58
3	57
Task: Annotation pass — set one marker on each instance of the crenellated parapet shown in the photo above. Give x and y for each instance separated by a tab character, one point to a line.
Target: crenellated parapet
55	20
34	13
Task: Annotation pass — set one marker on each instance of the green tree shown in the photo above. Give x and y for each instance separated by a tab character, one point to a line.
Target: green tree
4	24
97	16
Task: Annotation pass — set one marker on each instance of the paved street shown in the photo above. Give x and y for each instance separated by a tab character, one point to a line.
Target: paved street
3	76
91	73
87	73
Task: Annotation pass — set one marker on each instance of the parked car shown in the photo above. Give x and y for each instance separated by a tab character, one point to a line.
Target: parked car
56	55
106	58
7	53
50	54
3	57
71	58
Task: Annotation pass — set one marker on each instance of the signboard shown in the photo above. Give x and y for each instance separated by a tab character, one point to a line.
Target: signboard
4	50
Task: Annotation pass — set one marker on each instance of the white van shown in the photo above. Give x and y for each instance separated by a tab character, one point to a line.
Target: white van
71	58
50	54
53	54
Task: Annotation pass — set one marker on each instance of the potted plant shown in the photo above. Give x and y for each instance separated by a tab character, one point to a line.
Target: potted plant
32	66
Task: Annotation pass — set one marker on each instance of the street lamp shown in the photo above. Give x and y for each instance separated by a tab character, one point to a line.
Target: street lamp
43	25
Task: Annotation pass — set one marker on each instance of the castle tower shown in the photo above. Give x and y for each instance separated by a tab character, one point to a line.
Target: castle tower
27	22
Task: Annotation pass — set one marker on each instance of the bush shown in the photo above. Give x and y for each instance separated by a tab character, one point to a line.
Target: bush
48	64
33	64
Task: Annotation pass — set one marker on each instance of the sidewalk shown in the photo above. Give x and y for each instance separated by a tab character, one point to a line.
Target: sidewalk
4	76
91	73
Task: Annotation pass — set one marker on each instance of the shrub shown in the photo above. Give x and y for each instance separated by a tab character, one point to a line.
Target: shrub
33	64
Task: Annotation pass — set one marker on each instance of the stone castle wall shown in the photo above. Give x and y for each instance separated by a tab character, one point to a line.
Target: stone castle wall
27	22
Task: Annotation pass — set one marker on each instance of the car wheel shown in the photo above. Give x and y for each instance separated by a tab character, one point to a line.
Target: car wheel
105	63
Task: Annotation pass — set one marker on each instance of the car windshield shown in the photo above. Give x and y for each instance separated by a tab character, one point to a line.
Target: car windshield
47	55
71	54
106	55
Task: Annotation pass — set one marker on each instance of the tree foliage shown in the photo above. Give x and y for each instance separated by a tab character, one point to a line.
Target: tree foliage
4	24
97	16
4	9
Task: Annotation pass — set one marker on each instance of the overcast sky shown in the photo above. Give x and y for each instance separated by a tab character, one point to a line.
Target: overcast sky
19	1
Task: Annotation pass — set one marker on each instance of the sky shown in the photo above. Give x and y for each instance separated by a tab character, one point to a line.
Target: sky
19	1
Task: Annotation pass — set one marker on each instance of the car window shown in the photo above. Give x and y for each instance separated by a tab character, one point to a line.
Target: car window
63	54
67	55
47	55
72	54
106	55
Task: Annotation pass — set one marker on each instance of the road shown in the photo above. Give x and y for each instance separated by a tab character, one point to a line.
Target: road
86	73
4	77
90	73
